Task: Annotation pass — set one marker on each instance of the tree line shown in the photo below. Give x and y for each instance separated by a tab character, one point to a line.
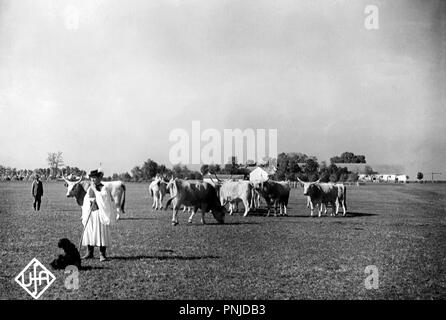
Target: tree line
289	166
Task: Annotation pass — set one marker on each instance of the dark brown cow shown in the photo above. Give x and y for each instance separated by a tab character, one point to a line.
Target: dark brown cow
274	192
195	194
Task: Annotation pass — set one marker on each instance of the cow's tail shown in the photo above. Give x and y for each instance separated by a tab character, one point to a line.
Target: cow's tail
123	198
151	192
169	201
345	198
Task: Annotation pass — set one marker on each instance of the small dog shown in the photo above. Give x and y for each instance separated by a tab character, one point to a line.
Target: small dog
71	255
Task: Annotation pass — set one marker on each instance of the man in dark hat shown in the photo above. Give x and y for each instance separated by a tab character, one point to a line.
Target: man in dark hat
98	213
37	192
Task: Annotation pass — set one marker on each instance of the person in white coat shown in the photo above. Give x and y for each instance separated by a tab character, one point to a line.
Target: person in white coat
98	213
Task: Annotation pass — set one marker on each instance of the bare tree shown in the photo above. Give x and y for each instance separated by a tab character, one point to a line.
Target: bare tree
55	161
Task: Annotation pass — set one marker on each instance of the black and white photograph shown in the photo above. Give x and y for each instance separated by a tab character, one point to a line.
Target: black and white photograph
222	154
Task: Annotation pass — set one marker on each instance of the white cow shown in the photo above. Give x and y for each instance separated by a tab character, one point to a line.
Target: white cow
323	194
234	191
78	189
158	189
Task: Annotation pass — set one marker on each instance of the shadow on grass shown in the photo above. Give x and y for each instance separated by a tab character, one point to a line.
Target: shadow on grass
172	257
235	223
137	218
89	268
358	214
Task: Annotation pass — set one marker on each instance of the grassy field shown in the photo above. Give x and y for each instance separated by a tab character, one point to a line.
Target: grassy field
401	229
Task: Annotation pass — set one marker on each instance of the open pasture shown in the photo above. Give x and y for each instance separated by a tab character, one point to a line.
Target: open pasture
401	229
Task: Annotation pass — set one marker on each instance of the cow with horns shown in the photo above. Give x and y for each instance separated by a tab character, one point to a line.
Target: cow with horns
276	193
78	190
195	194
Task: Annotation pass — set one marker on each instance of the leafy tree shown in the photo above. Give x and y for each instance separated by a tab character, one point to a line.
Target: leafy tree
311	167
324	177
369	170
54	160
137	173
348	157
204	169
163	170
149	169
288	166
125	177
214	168
282	166
420	176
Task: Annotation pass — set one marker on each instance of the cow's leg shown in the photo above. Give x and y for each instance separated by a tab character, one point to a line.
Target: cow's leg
158	201
155	200
160	204
320	209
275	208
311	208
268	203
344	210
175	216
161	201
202	217
204	208
231	208
335	205
195	209
246	204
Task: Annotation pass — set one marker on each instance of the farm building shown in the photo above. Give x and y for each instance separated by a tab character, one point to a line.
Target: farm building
387	177
365	177
376	173
383	178
260	174
402	178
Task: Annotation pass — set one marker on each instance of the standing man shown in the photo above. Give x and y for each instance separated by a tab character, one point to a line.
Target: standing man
37	192
98	213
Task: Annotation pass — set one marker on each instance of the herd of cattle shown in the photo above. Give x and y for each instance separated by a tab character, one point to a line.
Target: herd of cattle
213	196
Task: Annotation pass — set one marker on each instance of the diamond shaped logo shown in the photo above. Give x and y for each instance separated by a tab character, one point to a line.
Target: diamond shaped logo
35	278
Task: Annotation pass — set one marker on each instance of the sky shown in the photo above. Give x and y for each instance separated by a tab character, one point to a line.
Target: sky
107	81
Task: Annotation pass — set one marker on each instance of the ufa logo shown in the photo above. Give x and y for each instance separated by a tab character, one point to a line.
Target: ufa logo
35	278
372	281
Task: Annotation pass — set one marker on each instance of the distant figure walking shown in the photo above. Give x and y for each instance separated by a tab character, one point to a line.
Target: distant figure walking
37	192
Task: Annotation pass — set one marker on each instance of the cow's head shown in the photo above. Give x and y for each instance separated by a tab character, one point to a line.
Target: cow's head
73	187
262	187
219	213
170	184
308	187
